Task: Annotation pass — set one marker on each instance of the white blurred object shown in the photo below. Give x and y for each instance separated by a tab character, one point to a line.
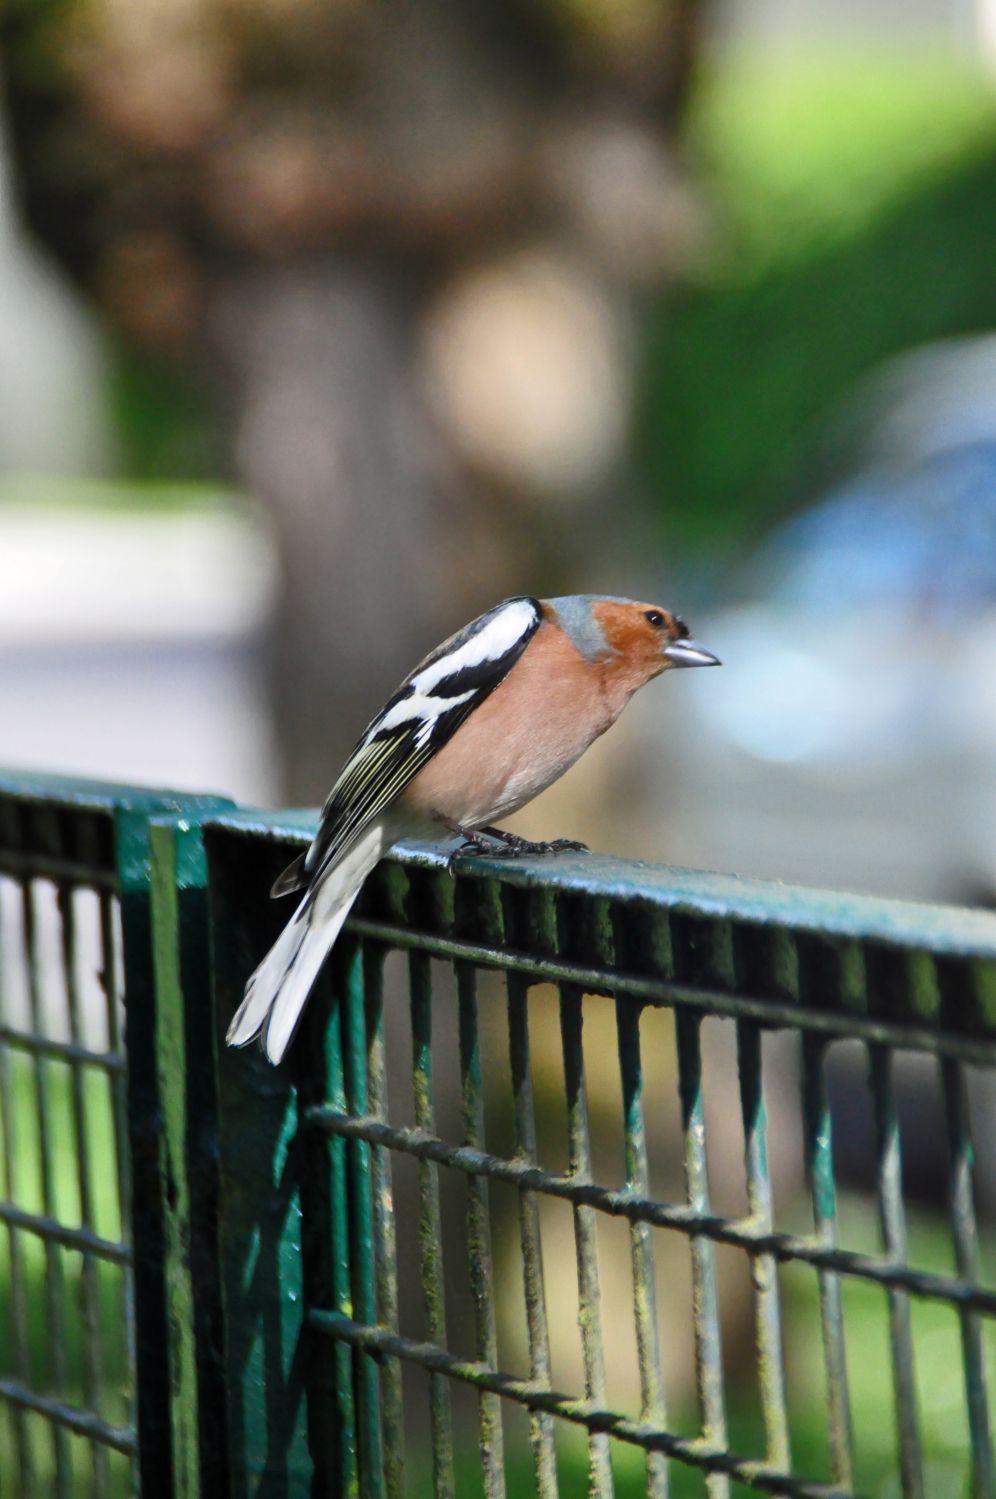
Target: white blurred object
947	26
130	645
100	576
529	364
53	369
985	12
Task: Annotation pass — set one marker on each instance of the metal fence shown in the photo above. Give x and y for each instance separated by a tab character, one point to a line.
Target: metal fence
505	1222
81	1258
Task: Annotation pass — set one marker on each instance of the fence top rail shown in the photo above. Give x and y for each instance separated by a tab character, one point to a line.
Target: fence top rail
81	791
938	930
71	827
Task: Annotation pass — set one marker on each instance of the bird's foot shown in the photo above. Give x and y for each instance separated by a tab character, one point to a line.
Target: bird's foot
496	843
515	846
475	843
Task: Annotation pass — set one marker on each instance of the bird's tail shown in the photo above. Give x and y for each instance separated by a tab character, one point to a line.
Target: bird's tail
276	993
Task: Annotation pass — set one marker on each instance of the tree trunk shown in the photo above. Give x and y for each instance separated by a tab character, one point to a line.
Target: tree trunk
384	548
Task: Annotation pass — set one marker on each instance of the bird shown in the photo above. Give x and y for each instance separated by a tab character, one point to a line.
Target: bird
480	727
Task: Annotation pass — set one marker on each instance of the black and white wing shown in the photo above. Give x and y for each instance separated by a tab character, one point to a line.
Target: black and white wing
426	711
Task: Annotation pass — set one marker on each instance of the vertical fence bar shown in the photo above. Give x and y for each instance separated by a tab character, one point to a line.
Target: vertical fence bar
540	1423
558	934
705	1299
151	1362
652	1402
600	1484
110	979
362	1262
612	937
174	1063
341	1279
18	1304
892	1218
430	1227
964	1233
186	1065
93	1380
764	1268
55	1290
111	984
479	1234
145	1205
385	1246
823	1192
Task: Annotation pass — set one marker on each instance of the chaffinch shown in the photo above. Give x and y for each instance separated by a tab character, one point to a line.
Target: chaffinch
485	723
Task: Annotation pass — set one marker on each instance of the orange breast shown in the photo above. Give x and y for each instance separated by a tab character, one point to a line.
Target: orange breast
524	735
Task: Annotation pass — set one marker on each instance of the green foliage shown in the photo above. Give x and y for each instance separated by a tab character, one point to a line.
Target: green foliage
800	153
63	494
856	210
166	427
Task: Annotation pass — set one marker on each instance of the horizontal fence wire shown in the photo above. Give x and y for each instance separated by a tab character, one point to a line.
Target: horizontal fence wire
54	1232
626	1203
665	991
537	1397
61	1051
83	1423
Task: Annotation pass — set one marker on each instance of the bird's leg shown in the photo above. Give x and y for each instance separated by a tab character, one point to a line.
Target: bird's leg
475	843
515	845
498	844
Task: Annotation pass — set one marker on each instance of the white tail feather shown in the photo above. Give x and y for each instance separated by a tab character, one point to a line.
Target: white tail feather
277	992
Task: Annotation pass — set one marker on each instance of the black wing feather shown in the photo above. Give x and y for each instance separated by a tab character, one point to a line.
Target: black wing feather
385	759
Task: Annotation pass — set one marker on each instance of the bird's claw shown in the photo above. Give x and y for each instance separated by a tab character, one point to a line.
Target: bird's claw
516	845
480	850
556	846
495	843
484	851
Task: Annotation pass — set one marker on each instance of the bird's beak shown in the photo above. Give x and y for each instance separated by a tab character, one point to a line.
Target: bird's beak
690	653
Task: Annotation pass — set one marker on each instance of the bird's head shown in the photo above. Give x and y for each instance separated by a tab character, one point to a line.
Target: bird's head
640	640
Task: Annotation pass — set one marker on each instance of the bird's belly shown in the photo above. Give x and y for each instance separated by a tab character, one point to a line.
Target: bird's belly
498	761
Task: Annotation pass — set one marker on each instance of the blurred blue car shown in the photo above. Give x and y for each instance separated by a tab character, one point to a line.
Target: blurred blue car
850	740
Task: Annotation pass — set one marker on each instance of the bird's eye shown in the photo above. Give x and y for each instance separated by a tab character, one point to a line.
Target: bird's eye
655	617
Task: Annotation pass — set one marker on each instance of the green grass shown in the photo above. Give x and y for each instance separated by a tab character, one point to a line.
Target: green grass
62	1269
937	1360
62	494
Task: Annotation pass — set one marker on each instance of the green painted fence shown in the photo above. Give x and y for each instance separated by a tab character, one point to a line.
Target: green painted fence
504	1222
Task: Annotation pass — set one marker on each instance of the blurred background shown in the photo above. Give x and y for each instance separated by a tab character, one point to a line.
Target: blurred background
322	328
